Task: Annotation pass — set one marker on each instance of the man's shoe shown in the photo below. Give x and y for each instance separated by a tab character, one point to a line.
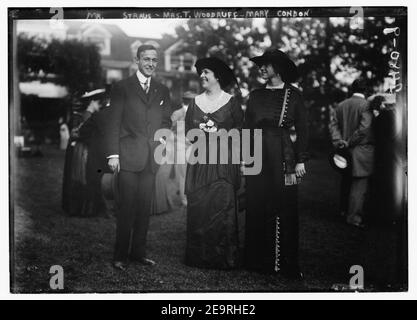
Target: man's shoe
292	272
120	265
293	275
144	261
356	224
355	221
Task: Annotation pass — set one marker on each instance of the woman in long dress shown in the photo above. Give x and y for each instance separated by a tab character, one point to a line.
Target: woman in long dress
212	237
74	182
81	183
166	186
170	178
271	238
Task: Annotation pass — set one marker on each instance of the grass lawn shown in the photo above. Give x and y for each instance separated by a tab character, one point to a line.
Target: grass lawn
45	236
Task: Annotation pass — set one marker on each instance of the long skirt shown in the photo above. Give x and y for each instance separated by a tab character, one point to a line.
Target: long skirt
167	189
170	181
75	184
212	234
271	237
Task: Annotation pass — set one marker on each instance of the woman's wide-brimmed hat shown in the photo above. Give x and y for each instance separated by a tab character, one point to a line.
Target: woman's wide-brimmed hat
341	159
221	69
94	95
110	187
387	98
287	68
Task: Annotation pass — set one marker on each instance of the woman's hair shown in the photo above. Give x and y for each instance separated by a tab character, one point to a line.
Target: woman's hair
376	103
278	70
219	78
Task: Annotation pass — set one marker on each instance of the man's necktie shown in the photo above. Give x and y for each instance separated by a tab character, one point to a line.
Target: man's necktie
146	86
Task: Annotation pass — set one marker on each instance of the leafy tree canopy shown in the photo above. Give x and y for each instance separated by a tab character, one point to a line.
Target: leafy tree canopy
71	63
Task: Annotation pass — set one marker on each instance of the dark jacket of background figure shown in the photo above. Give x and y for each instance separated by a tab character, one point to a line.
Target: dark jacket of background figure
351	121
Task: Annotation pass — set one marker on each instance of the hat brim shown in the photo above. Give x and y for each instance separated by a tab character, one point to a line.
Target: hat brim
110	187
340	160
95	94
288	69
389	98
260	60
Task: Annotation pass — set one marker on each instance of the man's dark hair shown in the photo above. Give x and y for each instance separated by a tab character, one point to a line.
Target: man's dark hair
144	47
358	86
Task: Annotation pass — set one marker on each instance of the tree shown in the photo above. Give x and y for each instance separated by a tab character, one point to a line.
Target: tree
329	53
233	41
71	63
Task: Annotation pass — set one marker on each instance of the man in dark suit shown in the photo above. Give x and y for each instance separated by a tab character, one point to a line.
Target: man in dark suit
139	106
350	127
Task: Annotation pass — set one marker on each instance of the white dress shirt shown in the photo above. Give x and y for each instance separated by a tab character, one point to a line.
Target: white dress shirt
142	79
281	86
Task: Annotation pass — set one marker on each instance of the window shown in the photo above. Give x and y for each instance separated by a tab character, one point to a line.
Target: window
188	61
182	62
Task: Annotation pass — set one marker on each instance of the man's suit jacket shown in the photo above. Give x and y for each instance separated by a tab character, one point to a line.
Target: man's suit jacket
351	121
132	120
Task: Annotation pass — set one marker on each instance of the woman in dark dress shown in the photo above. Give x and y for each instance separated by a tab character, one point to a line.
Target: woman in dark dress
91	133
212	237
84	163
271	239
74	182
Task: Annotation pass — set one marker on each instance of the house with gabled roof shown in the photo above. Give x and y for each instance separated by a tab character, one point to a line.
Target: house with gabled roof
117	49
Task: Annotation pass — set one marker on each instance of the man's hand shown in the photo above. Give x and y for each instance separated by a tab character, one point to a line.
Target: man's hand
114	164
342	144
300	170
75	133
242	168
